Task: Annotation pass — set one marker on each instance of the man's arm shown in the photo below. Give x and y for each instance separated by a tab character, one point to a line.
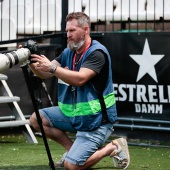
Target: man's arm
75	78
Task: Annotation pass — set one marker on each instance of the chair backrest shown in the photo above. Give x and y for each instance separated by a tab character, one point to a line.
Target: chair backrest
137	10
91	9
129	9
115	10
99	9
166	10
7	31
18	10
47	17
154	9
121	12
75	5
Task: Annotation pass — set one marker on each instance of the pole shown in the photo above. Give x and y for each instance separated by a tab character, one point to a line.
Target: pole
31	92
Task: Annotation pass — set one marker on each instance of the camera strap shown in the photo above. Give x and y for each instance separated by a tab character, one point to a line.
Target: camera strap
105	118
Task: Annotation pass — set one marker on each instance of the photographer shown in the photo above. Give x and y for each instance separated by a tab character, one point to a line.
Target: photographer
86	101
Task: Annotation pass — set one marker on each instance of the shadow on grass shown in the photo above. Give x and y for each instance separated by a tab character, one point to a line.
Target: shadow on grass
38	167
44	167
102	168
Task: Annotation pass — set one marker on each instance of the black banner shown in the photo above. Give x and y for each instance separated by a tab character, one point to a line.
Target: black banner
141	73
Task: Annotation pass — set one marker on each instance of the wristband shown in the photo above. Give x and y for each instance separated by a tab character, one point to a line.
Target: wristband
52	69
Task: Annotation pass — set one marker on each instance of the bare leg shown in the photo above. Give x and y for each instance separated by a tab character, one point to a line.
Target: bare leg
62	138
95	158
53	133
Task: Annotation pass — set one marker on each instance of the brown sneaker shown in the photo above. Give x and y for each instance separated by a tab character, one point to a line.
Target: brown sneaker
121	158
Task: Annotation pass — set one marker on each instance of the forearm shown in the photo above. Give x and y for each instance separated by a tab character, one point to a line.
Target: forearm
68	76
46	69
75	78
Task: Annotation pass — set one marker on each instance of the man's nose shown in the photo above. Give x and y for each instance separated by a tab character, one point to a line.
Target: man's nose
68	34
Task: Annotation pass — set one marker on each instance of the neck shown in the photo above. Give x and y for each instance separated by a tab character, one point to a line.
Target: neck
80	50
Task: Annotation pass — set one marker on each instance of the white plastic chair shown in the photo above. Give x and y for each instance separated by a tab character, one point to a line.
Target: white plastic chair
75	5
99	9
7	31
47	17
121	12
154	9
166	9
91	10
129	9
137	10
105	10
18	11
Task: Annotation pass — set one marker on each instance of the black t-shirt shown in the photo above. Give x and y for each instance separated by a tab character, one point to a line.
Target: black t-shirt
98	62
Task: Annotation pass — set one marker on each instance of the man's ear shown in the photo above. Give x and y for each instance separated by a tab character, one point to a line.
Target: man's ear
86	28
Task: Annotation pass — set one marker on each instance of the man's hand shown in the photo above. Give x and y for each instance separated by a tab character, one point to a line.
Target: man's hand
20	46
42	62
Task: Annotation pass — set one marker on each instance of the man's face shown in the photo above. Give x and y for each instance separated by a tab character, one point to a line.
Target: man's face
75	35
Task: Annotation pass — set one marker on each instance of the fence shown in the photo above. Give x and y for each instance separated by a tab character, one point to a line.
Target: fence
30	17
126	14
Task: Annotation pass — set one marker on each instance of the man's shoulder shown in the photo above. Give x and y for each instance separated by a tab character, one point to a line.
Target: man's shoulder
67	52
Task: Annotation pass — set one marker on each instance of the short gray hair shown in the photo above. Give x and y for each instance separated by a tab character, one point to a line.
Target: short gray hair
81	17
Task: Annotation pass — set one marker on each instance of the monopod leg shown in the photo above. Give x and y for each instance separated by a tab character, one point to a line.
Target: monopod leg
30	89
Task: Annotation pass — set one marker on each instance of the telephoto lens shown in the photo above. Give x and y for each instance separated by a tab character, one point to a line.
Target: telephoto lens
20	56
8	60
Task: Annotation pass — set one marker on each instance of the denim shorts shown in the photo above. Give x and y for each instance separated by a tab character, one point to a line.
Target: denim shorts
86	143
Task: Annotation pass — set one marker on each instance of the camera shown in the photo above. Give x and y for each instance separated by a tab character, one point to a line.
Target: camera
32	46
20	56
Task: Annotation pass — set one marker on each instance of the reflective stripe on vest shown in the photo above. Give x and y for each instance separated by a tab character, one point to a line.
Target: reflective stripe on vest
86	108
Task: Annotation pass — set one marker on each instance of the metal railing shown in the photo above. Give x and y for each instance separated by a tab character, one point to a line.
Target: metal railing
126	15
20	18
35	17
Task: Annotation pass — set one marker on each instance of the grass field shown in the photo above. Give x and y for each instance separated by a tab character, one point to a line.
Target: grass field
17	154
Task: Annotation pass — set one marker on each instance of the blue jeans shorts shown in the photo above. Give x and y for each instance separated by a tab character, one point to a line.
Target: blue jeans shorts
86	143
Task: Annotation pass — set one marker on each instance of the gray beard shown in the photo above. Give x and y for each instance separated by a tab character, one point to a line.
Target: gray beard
75	46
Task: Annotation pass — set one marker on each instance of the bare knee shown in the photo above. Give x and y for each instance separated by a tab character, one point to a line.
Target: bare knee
33	121
70	166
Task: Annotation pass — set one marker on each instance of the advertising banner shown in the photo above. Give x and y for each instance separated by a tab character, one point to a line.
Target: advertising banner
141	73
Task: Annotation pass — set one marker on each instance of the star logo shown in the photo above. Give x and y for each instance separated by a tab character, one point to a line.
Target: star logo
147	62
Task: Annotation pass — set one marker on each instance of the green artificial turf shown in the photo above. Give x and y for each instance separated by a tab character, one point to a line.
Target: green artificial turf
17	154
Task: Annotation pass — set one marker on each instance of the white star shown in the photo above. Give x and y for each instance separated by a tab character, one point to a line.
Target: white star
147	61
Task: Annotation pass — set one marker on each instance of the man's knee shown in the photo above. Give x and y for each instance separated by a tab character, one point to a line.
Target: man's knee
70	166
33	121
